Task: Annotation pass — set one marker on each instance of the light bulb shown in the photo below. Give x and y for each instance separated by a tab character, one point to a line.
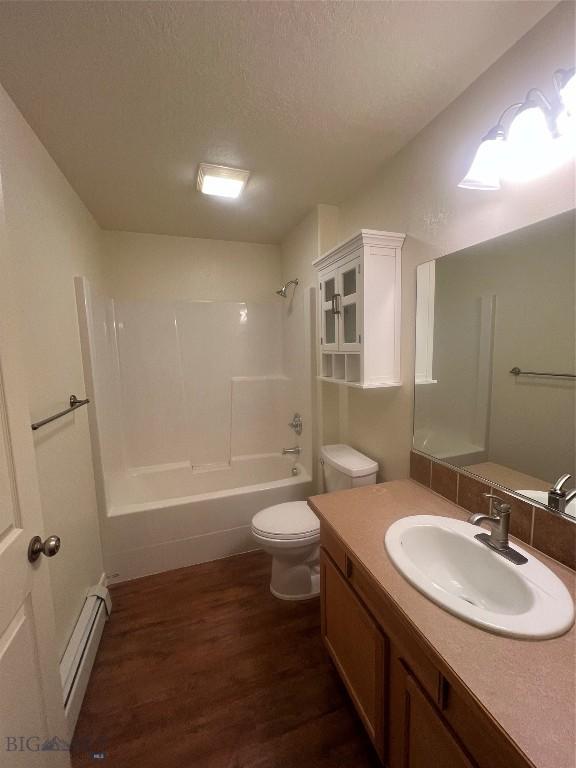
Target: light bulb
222	187
568	95
532	151
566	120
485	170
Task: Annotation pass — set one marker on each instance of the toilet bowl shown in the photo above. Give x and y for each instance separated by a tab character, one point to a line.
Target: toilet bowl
290	532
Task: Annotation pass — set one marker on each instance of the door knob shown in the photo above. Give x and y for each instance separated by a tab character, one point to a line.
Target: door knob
37	547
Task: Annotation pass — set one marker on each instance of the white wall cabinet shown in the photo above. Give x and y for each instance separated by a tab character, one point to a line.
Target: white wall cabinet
359	288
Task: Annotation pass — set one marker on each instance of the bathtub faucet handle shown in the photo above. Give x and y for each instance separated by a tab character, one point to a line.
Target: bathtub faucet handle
291	451
296	423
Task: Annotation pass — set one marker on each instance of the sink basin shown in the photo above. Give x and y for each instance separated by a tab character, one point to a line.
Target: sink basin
442	559
542	497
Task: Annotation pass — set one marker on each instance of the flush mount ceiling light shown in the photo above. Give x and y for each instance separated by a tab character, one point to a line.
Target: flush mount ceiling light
540	137
221	181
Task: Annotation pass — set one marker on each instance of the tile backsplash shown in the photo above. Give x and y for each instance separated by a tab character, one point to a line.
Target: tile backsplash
551	534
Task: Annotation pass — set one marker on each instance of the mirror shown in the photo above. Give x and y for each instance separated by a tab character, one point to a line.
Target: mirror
496	359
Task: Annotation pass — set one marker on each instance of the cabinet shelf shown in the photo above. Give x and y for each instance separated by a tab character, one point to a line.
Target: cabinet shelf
359	384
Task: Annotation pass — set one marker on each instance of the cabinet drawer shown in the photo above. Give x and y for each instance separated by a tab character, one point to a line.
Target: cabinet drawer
412	652
331	543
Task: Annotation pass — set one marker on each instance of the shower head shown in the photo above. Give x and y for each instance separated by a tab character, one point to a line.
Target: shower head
282	292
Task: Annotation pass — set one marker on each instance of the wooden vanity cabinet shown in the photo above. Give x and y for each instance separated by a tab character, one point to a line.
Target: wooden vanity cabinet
360	656
416	714
425	739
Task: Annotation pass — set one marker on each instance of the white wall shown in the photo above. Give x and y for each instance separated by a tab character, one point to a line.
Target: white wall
417	193
151	267
52	238
317	402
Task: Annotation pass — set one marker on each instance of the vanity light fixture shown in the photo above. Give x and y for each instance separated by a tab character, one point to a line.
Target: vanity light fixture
533	147
484	173
221	181
565	82
540	137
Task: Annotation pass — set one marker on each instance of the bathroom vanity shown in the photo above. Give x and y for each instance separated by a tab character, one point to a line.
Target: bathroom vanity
431	689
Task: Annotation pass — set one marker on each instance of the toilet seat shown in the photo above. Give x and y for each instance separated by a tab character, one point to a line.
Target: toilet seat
291	521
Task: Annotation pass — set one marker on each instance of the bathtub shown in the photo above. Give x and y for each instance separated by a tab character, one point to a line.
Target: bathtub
158	519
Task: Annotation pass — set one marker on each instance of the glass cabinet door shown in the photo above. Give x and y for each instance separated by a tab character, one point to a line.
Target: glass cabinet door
349	304
329	324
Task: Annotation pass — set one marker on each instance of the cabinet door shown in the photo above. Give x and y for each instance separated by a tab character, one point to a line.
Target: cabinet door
328	284
357	647
427	741
349	305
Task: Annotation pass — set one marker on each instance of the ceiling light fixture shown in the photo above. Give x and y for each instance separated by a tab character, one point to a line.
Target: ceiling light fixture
221	181
540	137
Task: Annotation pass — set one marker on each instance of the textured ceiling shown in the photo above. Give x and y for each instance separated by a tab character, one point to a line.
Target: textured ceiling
128	97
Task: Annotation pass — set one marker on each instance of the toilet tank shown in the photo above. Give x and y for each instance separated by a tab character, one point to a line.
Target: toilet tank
344	467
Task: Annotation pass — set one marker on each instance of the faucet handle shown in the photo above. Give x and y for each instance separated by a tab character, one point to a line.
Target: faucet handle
562	480
501	507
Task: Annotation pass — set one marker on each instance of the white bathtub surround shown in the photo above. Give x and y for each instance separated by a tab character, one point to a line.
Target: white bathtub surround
191	412
179	364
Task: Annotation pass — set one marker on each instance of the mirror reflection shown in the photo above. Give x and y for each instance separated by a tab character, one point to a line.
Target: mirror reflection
496	360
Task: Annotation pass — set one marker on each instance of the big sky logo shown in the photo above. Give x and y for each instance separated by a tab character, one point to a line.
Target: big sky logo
35	744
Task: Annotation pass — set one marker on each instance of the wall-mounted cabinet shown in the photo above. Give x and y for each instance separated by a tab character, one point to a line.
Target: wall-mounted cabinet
359	288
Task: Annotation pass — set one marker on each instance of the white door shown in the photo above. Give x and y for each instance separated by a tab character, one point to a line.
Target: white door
328	310
350	305
31	706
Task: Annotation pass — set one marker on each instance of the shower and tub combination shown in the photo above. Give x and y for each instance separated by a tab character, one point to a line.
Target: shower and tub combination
193	405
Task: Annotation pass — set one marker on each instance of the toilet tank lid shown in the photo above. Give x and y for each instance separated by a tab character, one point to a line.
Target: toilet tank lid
348	460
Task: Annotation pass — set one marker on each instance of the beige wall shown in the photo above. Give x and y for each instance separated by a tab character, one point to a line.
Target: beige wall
52	238
141	266
318	402
417	193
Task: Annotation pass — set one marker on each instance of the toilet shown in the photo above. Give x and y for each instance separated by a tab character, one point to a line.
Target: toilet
290	532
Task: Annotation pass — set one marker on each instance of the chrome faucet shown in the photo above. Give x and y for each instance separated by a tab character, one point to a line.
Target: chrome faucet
289	451
558	498
499	523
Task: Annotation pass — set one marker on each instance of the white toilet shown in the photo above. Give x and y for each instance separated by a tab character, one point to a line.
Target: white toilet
290	532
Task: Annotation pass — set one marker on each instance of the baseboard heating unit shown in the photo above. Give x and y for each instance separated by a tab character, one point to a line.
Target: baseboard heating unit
80	652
